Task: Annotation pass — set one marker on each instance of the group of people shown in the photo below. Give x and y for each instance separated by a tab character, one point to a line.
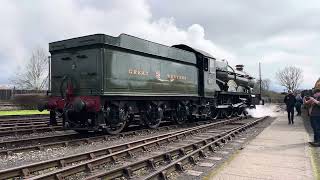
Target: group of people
313	105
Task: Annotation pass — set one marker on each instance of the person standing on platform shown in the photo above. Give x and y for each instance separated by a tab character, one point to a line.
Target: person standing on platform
298	104
290	101
314	112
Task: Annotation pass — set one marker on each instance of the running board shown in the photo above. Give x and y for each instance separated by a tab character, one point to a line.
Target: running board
238	105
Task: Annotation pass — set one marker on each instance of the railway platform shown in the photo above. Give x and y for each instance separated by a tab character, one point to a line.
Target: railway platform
279	152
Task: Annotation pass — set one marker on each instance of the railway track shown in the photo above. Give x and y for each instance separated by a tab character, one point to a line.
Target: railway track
60	168
17	145
62	140
8	147
20	130
19	125
21	118
7	122
17	121
16	126
159	165
195	151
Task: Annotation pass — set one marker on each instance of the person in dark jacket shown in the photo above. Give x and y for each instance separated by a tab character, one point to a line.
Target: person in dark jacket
290	101
298	104
314	112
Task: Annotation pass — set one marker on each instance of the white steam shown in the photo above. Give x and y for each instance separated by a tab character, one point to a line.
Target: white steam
37	24
264	110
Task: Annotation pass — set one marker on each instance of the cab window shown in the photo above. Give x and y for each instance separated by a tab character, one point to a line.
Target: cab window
212	66
205	64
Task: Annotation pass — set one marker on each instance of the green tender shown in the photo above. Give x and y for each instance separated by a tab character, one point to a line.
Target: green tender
124	65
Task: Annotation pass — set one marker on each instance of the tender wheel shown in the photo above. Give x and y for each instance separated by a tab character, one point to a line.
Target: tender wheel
128	122
153	116
116	128
181	115
116	120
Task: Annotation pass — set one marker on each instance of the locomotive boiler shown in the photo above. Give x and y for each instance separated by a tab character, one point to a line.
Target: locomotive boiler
105	83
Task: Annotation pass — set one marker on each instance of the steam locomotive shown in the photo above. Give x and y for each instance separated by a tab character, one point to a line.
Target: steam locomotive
105	83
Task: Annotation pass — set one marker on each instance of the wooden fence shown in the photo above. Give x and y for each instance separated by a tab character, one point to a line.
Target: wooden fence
8	94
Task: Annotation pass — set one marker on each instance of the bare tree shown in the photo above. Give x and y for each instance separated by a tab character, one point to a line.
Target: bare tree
35	73
265	85
290	77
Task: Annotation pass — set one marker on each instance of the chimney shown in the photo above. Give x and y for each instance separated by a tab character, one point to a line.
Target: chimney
239	67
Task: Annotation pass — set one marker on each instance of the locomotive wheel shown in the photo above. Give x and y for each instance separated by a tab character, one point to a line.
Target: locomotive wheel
115	124
227	112
214	113
181	115
245	113
153	117
239	112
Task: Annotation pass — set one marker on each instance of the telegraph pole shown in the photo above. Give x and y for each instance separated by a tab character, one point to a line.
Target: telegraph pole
260	79
49	74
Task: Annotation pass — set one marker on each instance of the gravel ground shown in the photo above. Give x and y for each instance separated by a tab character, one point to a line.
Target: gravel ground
18	159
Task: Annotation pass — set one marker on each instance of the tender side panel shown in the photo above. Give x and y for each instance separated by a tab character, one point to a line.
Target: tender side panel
128	73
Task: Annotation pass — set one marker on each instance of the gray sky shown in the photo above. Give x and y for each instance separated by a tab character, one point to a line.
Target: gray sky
276	33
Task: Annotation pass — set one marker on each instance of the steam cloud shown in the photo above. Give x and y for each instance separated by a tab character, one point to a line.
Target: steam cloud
264	110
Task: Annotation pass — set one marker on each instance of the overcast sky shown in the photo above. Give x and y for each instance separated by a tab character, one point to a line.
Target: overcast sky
275	33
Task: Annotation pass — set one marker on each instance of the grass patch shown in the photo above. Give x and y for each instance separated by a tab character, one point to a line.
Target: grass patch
22	112
315	161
